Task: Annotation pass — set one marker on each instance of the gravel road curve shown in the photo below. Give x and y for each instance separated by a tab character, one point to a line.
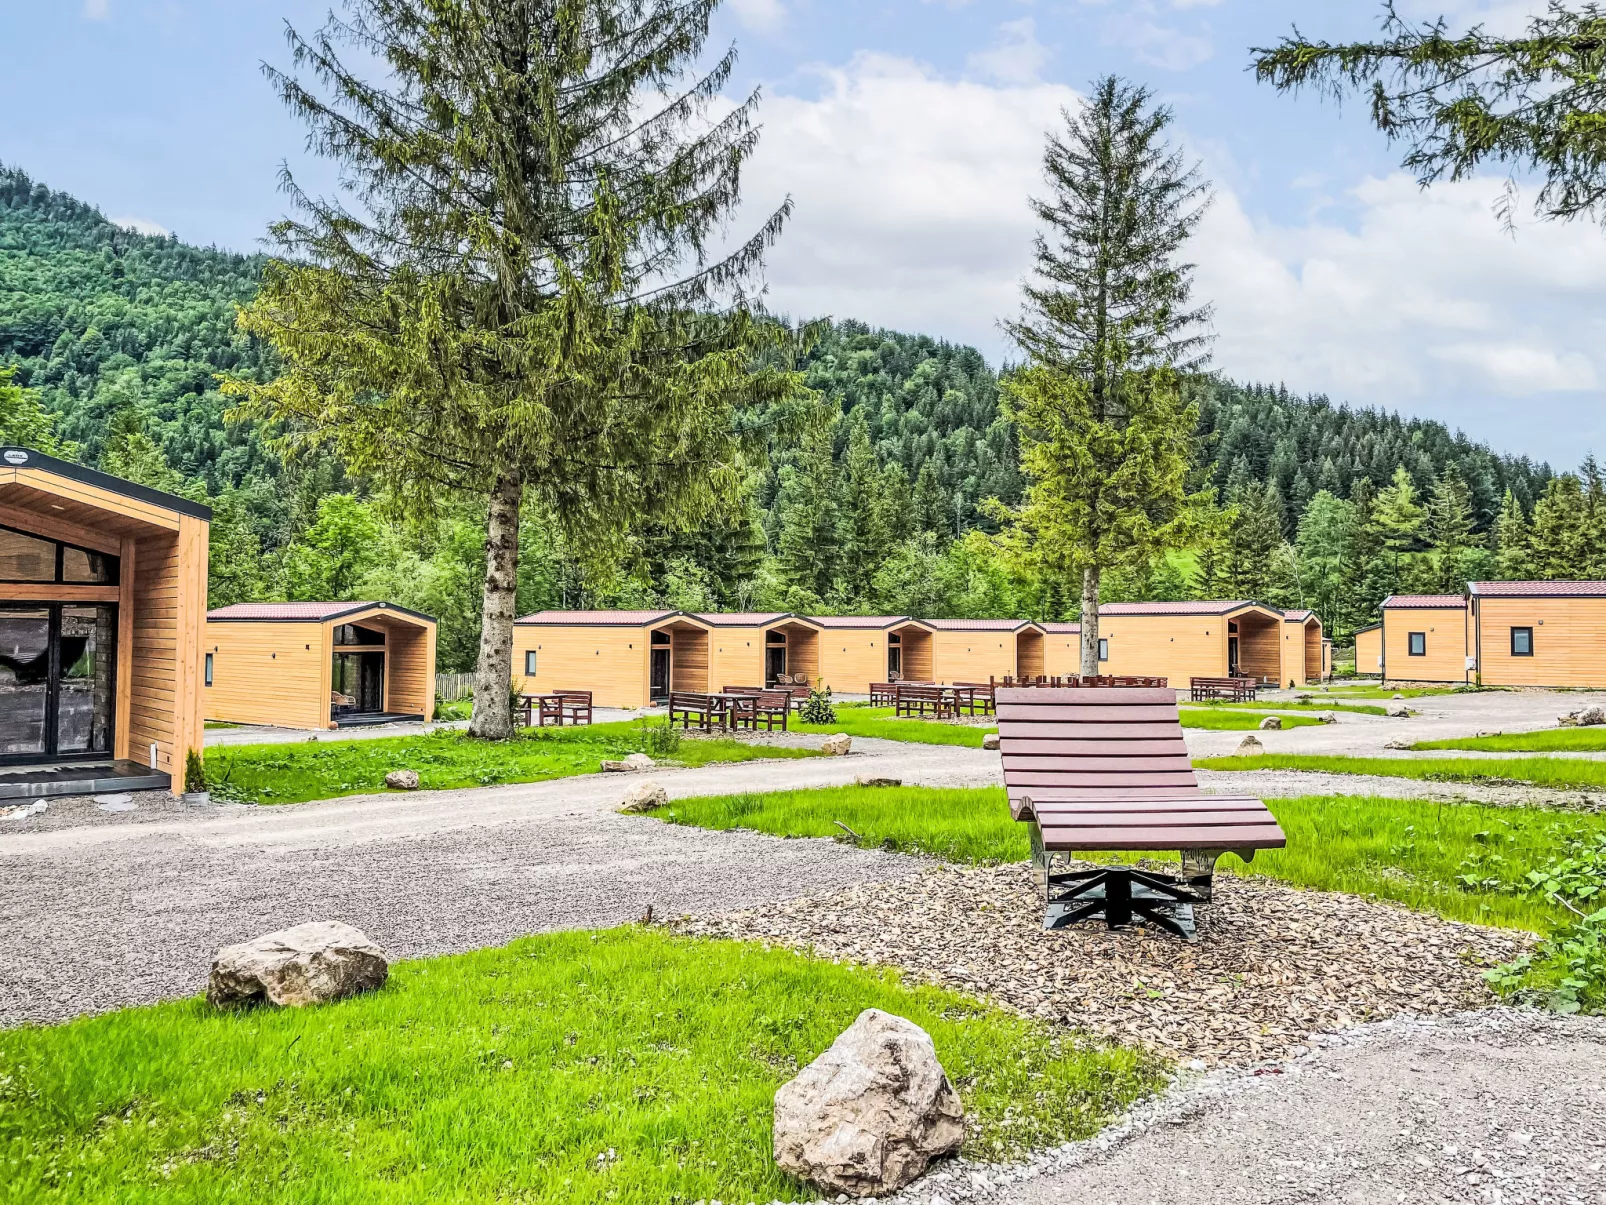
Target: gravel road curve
1493	1108
99	910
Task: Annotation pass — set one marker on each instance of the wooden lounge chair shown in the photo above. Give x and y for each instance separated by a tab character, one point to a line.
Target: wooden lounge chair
1106	769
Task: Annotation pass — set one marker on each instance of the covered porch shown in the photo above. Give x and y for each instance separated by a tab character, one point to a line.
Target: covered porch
910	655
1254	644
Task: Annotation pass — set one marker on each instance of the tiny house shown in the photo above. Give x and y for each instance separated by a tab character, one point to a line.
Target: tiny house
102	602
976	650
1182	640
1304	656
318	664
1539	633
1062	649
1425	638
856	650
625	659
1369	651
761	648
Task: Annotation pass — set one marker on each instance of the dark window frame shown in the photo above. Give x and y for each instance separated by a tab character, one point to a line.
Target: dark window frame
209	669
1416	644
529	663
1104	648
113	562
1515	652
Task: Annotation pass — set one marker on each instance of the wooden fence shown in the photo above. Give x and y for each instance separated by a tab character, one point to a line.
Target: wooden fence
452	687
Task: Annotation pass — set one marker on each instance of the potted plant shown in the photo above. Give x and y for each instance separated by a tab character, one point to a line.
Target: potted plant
195	792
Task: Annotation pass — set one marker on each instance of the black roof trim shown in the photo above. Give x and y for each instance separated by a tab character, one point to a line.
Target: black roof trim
386	607
1371	627
105	481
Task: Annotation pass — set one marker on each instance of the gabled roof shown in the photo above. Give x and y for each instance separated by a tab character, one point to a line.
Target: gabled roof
750	619
614	619
1062	629
304	612
979	625
1207	607
867	622
1371	627
1299	616
1424	602
1539	589
13	456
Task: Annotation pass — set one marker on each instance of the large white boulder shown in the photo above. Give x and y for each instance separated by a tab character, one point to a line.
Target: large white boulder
305	964
1271	722
402	780
1250	746
839	745
646	796
870	1114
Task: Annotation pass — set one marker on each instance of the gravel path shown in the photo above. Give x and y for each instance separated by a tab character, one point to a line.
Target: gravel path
1494	1108
100	910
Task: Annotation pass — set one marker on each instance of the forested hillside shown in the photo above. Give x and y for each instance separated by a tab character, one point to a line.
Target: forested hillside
878	504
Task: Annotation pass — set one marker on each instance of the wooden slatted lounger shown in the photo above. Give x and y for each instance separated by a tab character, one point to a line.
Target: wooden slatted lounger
1106	769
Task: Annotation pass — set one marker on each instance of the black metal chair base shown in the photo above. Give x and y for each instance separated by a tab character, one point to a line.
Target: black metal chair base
1120	895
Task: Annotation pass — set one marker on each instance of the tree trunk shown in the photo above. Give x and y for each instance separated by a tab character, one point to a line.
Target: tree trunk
1090	621
493	674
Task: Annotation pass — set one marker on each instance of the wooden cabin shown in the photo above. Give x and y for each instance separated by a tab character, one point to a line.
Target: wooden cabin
102	603
1304	657
1062	649
976	650
1369	651
856	650
1183	640
759	648
1538	633
319	664
1425	638
626	659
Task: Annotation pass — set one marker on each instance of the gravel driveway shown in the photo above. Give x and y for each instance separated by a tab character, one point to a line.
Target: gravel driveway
99	910
1497	1108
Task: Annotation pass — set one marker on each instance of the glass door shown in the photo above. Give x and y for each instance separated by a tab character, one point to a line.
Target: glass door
58	690
85	697
24	681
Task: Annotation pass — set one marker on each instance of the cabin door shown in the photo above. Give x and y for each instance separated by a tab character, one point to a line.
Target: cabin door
894	659
774	663
659	676
359	683
1232	657
57	686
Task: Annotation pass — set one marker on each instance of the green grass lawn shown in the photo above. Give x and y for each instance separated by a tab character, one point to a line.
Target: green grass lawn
1316	704
622	1066
1547	740
295	773
1225	719
1562	773
1409	851
857	720
1415	692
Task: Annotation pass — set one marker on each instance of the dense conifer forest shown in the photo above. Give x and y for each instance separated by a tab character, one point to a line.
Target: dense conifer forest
884	499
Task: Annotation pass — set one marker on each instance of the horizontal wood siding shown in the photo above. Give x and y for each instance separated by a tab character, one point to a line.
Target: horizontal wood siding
735	658
803	652
609	661
689	670
1569	641
409	668
1260	647
1029	654
919	655
269	673
1174	647
1062	654
1369	652
972	656
849	659
1445	630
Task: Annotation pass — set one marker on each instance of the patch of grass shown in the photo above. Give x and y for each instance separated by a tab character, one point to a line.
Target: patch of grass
621	1066
296	773
882	722
1457	860
456	709
1561	773
1316	704
1548	740
1414	692
209	725
1235	721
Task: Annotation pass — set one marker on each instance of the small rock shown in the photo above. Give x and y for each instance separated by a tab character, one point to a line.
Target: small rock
990	741
644	797
1399	696
105	800
402	780
875	780
1329	717
1399	713
1398	745
1592	716
1250	746
870	1114
631	764
839	745
23	811
1570	720
1271	722
306	964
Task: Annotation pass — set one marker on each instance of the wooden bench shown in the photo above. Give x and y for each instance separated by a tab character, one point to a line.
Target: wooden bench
768	709
918	701
884	694
982	697
705	711
1237	690
1108	680
1106	769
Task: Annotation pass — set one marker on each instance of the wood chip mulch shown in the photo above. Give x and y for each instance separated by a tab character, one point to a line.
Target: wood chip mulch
1272	966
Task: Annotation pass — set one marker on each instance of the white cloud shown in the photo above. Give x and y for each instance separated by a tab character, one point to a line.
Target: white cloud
97	10
141	226
761	16
1015	57
911	212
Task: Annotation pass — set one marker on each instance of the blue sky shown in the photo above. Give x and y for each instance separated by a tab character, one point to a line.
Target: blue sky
908	132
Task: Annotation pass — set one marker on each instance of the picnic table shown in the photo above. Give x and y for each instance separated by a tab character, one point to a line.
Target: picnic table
562	707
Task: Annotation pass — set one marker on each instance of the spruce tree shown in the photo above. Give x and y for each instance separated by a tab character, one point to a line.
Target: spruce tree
1365	575
1513	553
1592	554
516	291
806	509
1449	531
1399	519
930	503
1105	428
864	538
1557	537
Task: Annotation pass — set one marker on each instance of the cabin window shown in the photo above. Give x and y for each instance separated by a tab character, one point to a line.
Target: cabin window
209	669
350	633
28	558
1104	649
529	663
1522	642
1418	644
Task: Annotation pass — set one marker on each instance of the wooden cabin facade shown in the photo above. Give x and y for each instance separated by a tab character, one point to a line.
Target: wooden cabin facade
1305	652
1425	639
976	650
1062	649
856	650
318	664
626	659
1369	651
102	604
1538	633
759	648
1182	640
